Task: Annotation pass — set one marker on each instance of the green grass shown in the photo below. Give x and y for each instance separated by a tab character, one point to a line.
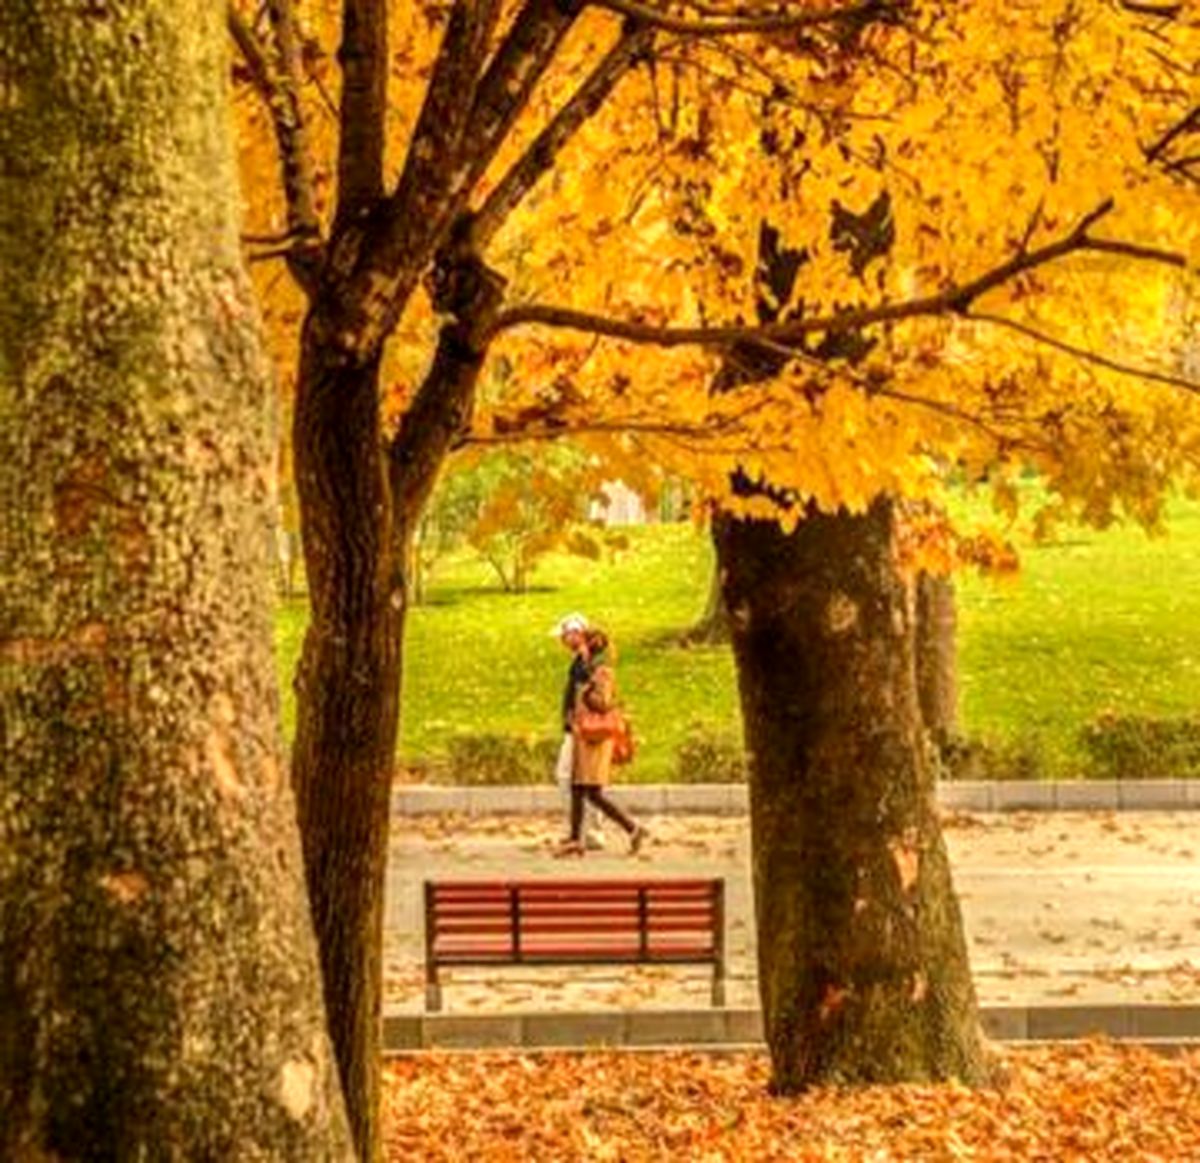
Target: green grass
477	660
1094	622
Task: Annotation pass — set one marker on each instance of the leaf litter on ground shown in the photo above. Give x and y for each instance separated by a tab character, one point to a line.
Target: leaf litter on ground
1097	1101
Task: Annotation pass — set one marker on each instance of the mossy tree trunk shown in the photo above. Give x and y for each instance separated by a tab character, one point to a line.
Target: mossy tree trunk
159	987
863	968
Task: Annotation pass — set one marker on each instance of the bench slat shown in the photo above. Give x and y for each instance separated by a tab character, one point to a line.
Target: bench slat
702	912
533	928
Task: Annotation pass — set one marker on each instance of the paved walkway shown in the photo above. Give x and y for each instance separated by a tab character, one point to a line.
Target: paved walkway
1060	907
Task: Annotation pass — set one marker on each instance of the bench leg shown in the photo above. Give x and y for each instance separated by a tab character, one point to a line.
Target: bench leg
718	987
433	994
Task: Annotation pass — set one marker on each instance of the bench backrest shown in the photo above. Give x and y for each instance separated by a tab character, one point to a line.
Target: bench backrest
582	920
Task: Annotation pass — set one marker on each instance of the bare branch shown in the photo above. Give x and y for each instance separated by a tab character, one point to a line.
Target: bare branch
278	86
651	16
954	299
518	434
445	158
1136	250
1142	8
253	53
1186	124
514	70
1083	353
544	151
363	57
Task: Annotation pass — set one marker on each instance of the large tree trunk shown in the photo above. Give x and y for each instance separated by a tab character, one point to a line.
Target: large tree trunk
863	966
937	656
348	691
158	976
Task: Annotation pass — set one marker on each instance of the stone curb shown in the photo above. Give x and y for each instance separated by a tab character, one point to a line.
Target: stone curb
1160	1026
729	799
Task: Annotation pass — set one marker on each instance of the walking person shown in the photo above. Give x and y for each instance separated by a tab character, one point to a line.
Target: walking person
571	631
594	740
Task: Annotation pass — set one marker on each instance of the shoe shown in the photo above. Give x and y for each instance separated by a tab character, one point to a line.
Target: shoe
568	848
637	838
594	841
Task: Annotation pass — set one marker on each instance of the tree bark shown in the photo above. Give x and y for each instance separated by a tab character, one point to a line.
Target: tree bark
361	501
863	968
348	693
158	976
937	656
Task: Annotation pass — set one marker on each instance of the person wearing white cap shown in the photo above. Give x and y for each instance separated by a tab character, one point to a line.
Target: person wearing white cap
597	725
571	630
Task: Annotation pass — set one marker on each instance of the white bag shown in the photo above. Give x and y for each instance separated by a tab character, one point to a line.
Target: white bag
565	764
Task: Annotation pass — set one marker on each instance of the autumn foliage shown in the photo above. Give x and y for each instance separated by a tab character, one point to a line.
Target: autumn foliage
1089	1101
922	239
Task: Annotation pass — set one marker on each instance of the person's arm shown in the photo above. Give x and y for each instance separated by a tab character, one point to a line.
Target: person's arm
602	689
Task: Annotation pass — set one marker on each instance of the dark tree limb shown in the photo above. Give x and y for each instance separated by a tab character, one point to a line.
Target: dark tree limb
650	15
363	56
278	86
519	63
440	415
957	298
543	152
1094	357
376	263
1186	124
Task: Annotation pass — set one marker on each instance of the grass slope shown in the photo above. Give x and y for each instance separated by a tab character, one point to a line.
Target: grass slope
1096	621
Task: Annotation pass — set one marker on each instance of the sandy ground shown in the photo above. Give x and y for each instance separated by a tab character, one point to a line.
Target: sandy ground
1097	907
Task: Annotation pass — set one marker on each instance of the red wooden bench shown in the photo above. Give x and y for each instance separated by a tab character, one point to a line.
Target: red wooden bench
573	922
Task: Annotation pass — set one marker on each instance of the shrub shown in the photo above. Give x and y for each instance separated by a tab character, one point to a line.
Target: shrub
489	759
963	757
709	756
1140	747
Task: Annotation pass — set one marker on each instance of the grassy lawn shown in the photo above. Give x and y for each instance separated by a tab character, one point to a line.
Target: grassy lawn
1094	622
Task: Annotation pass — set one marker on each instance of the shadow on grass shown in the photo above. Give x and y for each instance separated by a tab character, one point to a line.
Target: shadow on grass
456	595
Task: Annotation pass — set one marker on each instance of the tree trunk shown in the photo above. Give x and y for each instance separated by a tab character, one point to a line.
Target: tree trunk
936	656
359	512
713	627
863	966
347	701
158	976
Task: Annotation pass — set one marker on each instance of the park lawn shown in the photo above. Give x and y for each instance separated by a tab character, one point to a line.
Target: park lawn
478	660
1093	622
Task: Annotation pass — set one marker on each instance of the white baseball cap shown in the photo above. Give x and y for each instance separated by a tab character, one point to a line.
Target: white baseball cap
570	624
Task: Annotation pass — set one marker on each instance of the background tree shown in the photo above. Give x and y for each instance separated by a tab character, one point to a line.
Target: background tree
158	975
629	153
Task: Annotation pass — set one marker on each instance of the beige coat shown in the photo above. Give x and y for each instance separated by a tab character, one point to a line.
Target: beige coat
593	761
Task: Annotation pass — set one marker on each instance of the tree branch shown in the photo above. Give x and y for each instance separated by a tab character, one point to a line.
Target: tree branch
515	69
543	152
651	16
279	89
363	56
1186	124
954	299
1086	355
384	258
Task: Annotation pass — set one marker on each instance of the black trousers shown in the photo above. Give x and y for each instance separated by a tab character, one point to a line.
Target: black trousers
590	793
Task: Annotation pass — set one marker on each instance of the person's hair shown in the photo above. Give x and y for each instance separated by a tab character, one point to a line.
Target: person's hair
597	640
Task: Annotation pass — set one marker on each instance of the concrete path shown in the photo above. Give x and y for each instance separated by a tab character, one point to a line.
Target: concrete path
1060	907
